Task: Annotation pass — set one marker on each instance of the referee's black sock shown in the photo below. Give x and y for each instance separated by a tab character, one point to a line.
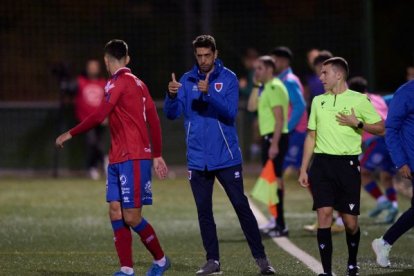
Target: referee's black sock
280	220
352	240
324	237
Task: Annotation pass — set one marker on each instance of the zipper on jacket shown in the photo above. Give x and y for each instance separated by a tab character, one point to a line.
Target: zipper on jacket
225	140
188	131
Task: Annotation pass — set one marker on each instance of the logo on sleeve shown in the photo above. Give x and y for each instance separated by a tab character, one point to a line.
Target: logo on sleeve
109	86
218	86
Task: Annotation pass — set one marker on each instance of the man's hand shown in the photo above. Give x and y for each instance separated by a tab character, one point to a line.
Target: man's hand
347	120
405	172
173	85
160	167
203	84
273	151
62	139
303	179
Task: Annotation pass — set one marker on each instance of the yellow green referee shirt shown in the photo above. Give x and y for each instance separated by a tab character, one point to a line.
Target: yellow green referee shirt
332	138
274	93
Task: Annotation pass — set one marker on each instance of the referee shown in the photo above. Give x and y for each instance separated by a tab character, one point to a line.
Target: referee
336	122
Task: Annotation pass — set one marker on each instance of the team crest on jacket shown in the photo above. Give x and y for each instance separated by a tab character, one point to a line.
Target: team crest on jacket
218	86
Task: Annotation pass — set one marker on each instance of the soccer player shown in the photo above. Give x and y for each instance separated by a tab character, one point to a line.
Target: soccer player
207	96
89	94
130	109
377	158
400	142
336	122
298	117
272	103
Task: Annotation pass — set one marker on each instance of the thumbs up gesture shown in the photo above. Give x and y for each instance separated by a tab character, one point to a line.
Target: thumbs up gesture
173	85
203	84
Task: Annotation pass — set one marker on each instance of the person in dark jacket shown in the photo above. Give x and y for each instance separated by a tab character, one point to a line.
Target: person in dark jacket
207	97
399	138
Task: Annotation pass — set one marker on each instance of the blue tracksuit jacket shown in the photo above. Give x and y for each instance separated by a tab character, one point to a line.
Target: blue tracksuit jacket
209	119
400	126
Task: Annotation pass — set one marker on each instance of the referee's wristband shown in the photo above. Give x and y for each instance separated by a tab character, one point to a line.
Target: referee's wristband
360	125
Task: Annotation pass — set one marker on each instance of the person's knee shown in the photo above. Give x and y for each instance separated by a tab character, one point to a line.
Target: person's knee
132	218
351	227
350	223
325	217
115	211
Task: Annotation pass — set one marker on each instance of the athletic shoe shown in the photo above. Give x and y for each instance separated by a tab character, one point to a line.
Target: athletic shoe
352	271
269	225
120	273
325	274
278	232
336	228
311	227
381	206
211	267
391	216
156	270
382	252
265	267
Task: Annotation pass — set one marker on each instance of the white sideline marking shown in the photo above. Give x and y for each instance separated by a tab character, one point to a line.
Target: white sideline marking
288	246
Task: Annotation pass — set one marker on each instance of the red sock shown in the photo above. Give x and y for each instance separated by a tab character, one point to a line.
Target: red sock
373	189
149	239
391	194
123	242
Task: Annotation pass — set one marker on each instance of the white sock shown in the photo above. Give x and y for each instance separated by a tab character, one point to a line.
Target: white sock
127	270
161	262
382	199
339	221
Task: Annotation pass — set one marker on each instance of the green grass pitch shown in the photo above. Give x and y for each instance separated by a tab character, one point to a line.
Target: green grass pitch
61	227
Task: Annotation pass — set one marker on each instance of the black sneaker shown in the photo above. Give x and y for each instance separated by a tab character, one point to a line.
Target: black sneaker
211	267
278	232
353	270
265	267
325	274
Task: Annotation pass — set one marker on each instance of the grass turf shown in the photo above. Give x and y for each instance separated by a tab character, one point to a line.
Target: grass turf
61	227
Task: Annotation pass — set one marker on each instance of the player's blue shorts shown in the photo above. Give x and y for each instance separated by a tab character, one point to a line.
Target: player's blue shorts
130	183
377	157
294	154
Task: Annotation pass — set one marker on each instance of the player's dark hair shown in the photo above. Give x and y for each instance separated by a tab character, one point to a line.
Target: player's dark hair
282	51
340	63
116	48
204	41
268	62
358	84
323	55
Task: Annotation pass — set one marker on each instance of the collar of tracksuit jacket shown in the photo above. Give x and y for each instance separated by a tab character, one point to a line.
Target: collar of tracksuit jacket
196	75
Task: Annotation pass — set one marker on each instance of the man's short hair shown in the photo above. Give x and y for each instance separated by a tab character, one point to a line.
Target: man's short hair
204	41
268	61
340	63
116	48
323	55
282	51
358	84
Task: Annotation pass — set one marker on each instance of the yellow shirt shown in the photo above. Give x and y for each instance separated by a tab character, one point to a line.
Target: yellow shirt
273	94
332	138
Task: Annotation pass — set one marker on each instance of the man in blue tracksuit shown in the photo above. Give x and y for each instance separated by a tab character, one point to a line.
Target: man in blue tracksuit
400	142
207	96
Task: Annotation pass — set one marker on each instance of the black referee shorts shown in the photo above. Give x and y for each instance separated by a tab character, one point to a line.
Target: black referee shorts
279	159
336	182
